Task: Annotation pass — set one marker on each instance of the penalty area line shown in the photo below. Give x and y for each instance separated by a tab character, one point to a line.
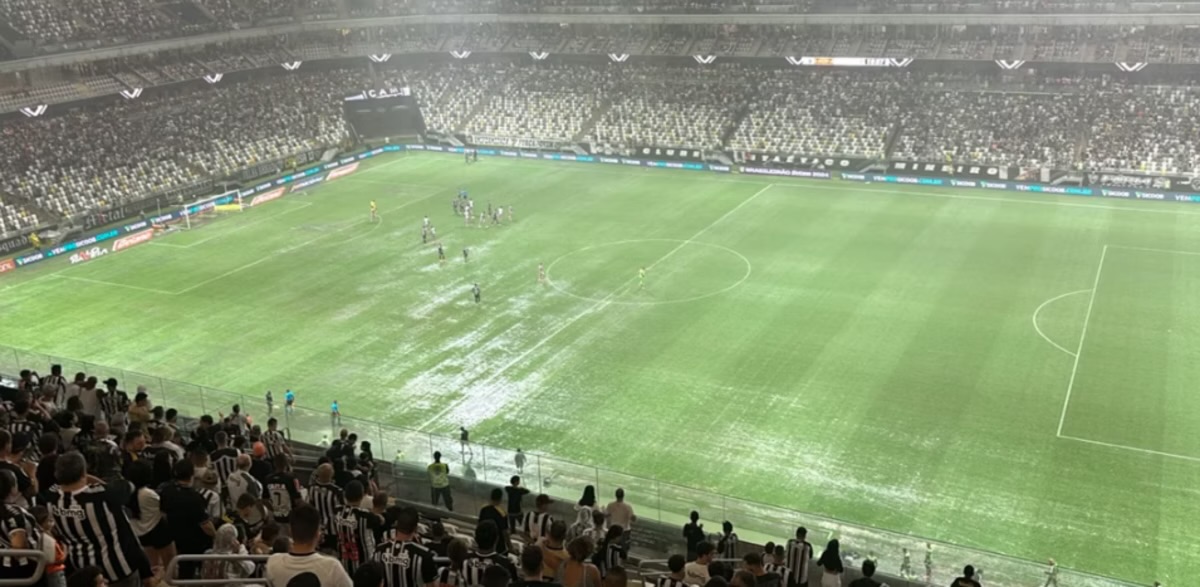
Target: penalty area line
1157	453
113	283
304	244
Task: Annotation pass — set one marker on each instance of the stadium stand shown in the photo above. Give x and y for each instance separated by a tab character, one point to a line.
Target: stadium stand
1035	130
104	150
807	113
692	107
71	161
100	156
1143	129
546	103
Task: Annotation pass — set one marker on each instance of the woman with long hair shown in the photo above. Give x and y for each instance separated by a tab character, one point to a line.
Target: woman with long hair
831	565
18	530
588	499
146	518
577	571
161	469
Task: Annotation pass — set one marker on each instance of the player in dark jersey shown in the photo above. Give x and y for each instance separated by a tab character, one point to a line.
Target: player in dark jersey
356	527
465	255
476	292
441	254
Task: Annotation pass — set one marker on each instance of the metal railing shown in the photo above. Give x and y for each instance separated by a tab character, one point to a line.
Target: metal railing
897	554
39	556
173	569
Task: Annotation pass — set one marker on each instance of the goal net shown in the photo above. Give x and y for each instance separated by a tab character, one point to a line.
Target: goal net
208	209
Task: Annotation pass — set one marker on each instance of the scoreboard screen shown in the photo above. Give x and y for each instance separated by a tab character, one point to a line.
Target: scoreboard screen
384	112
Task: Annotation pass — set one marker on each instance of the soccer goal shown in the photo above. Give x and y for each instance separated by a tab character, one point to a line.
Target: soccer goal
208	209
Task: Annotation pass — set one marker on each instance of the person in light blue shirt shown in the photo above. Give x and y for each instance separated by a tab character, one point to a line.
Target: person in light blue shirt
335	416
289	400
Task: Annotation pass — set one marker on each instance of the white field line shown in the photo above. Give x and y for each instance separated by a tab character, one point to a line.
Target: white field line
66	267
1132	448
599	305
1062	418
114	284
297	247
335	231
1153	250
353	179
38	278
1039	310
1173	210
302	205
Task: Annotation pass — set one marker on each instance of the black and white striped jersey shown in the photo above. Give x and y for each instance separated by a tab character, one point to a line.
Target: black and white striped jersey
356	535
327	498
406	564
536	524
96	533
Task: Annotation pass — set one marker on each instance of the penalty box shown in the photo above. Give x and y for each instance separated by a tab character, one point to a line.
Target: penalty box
1134	380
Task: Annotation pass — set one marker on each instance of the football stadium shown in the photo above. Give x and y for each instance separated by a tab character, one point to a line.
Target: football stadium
509	292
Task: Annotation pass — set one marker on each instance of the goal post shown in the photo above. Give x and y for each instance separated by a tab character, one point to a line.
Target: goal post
230	201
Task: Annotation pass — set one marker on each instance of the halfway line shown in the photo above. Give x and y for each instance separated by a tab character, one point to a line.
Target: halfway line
1082	336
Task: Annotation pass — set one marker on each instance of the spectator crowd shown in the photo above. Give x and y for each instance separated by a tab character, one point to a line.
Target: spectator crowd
112	488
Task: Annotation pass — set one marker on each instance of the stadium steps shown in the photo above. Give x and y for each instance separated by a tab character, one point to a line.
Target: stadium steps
741	115
586	128
43	214
196	7
893	135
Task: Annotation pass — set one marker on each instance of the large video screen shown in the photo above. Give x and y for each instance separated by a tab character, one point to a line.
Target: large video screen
384	112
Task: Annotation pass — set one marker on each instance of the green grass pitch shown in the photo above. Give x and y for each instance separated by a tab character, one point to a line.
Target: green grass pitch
1009	372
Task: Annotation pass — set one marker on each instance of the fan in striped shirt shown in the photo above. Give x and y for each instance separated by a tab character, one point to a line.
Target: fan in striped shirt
537	523
779	566
21	422
611	553
762	578
452	575
274	441
224	459
487	534
56	384
18	530
406	562
92	524
114	402
799	556
675	564
356	527
327	498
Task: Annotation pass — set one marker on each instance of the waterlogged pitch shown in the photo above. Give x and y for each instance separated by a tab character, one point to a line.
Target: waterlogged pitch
1013	372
